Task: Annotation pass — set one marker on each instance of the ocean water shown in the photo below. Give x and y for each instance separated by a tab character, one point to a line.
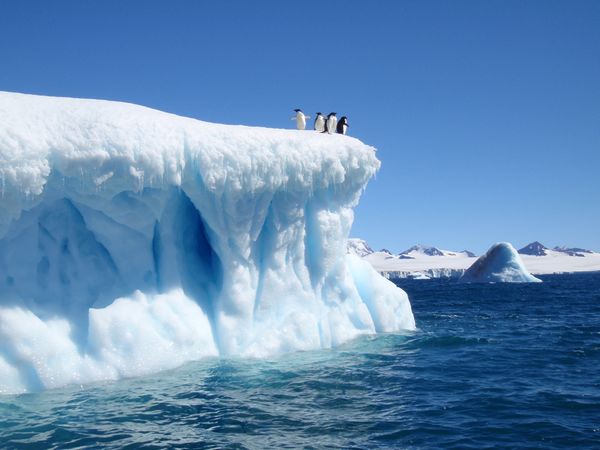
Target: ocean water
491	366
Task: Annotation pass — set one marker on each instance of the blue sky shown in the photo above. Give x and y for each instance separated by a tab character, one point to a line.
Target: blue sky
486	114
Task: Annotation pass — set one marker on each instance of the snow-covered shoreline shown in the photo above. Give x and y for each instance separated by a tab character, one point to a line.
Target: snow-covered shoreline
449	264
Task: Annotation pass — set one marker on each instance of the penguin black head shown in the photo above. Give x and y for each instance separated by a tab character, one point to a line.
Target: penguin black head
297	110
319	114
344	119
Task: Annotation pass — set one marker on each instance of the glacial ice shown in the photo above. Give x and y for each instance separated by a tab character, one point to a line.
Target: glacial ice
133	241
500	264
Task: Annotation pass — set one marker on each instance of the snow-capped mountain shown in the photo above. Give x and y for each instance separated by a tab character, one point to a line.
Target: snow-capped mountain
573	251
534	249
424	250
538	249
359	247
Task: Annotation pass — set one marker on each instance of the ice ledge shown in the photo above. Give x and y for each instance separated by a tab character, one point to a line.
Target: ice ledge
148	148
110	147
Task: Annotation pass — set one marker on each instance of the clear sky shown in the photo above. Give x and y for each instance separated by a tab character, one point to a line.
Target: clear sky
486	114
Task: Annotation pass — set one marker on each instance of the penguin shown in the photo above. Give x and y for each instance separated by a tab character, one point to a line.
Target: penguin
331	123
342	125
300	119
320	123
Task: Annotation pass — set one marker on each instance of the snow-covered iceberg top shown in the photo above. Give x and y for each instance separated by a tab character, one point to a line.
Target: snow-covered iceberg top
500	264
133	240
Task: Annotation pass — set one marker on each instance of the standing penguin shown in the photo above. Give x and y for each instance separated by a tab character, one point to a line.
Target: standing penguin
320	123
342	125
331	123
300	119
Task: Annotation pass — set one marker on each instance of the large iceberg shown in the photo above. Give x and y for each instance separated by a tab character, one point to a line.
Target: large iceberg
500	264
133	240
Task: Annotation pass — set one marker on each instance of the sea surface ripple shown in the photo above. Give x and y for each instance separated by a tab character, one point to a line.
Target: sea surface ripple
491	366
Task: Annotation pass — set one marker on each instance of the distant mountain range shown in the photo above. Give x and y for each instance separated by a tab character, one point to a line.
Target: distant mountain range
538	249
424	250
361	248
434	251
421	261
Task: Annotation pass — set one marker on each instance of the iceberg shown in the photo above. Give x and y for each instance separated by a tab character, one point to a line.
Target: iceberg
133	241
500	264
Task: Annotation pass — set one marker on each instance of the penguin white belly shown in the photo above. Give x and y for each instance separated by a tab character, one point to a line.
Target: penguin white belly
344	128
331	125
300	122
320	125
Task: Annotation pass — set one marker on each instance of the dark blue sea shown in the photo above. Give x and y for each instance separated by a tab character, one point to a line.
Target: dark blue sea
491	366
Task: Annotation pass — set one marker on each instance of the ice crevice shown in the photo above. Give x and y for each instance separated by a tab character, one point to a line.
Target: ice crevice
133	241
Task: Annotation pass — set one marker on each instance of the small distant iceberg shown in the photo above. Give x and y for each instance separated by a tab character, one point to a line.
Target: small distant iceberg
500	264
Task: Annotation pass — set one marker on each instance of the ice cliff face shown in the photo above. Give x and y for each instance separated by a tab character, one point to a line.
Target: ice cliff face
500	264
132	241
